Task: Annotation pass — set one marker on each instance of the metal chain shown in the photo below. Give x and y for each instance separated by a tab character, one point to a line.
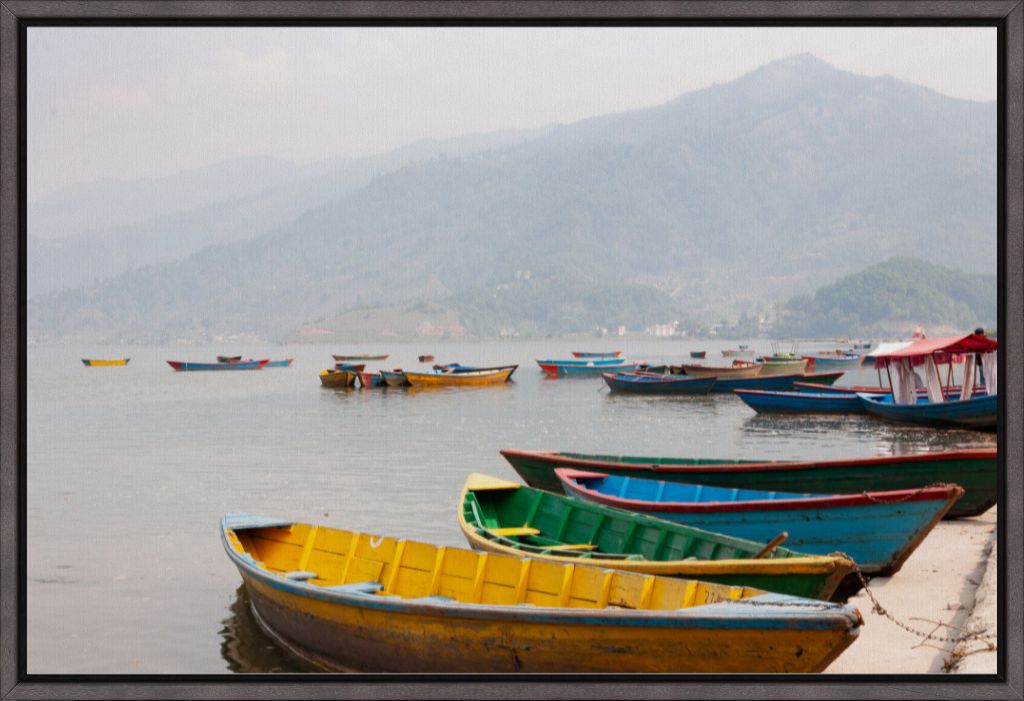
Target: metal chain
878	609
907	497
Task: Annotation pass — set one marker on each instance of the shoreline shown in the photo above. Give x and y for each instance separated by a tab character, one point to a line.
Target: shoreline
946	586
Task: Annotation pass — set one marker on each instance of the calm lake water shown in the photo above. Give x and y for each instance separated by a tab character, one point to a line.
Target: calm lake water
131	468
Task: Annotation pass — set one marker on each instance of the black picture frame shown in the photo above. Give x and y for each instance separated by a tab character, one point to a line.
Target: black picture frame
16	15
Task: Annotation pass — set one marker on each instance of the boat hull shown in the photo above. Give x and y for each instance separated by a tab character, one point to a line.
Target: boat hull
593	354
285	363
568	368
979	412
182	366
94	363
349	638
666	385
338	378
394	378
974	470
783	402
345	358
371	379
879	530
477	378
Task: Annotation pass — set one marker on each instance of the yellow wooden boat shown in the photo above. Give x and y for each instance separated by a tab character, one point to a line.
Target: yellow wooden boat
94	363
472	378
338	378
351	601
509	518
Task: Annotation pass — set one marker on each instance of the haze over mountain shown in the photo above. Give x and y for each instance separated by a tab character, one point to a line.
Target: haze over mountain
93	231
724	200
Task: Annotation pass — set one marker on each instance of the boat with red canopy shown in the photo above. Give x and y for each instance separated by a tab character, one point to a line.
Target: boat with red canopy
937	406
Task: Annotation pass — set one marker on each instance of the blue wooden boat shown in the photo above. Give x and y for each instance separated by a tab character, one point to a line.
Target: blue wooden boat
654	383
181	365
596	354
793	402
771	382
698	354
878	530
582	368
279	363
980	411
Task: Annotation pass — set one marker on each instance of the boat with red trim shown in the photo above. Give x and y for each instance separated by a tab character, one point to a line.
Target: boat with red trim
877	530
975	470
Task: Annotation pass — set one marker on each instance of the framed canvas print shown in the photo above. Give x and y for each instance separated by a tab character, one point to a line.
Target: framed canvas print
464	349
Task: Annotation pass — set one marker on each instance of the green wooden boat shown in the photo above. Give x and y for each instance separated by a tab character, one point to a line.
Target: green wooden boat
974	470
508	518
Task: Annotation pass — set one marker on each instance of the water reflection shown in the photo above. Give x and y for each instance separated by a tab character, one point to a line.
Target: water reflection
884	438
246	648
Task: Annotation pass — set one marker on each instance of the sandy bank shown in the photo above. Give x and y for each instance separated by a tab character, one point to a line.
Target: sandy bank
936	586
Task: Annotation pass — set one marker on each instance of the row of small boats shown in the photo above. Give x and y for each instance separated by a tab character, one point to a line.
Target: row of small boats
603	563
973	404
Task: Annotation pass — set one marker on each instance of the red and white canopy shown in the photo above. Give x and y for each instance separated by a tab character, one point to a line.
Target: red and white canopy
948	349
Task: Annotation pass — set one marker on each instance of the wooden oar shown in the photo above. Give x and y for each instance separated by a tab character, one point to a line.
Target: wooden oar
772	544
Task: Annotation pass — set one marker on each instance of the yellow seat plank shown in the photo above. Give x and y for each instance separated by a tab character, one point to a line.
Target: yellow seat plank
573	546
514	531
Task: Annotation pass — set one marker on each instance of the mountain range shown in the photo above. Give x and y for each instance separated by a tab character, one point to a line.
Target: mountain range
726	199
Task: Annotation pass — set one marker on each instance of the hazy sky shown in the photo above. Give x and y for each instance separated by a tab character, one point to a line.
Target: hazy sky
134	102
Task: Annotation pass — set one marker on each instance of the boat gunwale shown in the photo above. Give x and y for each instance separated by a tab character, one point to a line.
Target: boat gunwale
568	477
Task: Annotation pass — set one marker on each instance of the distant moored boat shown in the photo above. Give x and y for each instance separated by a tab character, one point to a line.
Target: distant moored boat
181	365
93	363
338	378
361	357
